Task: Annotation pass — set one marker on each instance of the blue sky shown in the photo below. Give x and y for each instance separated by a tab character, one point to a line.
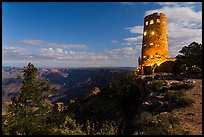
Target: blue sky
90	34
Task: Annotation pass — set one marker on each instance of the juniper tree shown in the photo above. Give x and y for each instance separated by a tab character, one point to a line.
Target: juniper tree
190	59
27	113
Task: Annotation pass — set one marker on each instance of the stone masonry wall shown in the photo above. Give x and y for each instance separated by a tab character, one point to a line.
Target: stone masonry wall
155	40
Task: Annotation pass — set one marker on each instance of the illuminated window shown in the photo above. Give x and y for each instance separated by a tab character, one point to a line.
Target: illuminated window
144	57
158	45
146	22
151	44
144	45
151	22
151	56
152	32
158	20
145	33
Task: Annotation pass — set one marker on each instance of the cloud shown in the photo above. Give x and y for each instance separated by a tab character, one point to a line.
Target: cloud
59	50
61	57
179	14
136	29
16	53
59	54
114	41
133	40
123	53
184	25
49	44
127	3
176	3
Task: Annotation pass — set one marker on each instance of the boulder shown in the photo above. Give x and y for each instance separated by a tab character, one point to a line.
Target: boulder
161	98
156	103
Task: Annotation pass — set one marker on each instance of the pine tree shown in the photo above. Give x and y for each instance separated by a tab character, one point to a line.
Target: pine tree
27	114
189	59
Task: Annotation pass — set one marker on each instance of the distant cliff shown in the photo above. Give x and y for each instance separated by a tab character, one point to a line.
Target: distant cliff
70	83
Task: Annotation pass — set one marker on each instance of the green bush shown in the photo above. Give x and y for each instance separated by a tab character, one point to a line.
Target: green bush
197	69
172	95
157	84
148	70
107	128
161	124
5	129
179	86
184	102
69	127
167	118
178	98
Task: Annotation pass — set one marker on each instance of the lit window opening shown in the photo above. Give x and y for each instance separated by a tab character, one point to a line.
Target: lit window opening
151	44
151	22
144	45
145	33
144	57
153	33
146	22
158	20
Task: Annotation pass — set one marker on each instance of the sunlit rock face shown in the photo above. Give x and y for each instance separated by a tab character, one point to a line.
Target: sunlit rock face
155	41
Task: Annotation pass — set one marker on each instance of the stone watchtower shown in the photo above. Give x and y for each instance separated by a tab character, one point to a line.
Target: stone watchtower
155	41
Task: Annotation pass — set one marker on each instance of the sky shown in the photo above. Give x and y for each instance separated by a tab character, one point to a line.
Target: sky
90	34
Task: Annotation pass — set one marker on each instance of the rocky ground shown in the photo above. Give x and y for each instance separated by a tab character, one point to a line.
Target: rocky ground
191	117
160	99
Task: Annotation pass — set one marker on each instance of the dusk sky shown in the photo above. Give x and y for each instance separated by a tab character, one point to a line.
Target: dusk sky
90	34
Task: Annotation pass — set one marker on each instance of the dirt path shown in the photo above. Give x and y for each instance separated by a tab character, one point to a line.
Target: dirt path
191	117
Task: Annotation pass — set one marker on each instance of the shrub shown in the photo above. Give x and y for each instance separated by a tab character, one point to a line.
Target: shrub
107	129
161	124
154	130
179	86
145	118
148	70
69	127
100	128
174	95
184	102
197	69
178	98
5	130
167	118
158	84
